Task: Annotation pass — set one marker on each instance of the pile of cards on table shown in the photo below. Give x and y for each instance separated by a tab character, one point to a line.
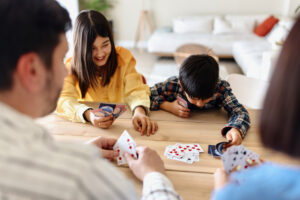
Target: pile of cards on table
236	156
188	153
125	143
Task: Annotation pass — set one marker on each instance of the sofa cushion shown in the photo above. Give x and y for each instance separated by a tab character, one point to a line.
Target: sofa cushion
193	24
280	31
266	26
221	44
241	23
221	26
248	55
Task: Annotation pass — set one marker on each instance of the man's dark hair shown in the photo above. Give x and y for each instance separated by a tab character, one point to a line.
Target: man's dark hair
198	76
280	117
29	26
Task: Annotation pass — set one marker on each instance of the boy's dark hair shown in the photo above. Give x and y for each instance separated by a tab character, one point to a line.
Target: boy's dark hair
198	76
90	24
29	26
280	118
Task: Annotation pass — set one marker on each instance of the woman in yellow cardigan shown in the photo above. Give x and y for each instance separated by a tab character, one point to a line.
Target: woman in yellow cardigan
99	71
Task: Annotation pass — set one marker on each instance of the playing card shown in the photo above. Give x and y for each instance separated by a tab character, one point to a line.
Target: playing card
125	143
212	150
237	156
182	102
115	109
119	109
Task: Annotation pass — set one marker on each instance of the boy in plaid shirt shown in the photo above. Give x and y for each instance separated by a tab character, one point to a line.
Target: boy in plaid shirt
199	85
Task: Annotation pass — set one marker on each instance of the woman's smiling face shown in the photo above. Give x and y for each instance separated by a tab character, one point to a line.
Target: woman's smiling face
101	50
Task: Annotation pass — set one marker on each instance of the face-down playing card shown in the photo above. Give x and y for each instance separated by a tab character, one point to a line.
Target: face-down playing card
125	143
236	156
114	109
182	102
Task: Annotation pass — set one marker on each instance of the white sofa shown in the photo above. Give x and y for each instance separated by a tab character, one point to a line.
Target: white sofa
214	31
257	58
227	36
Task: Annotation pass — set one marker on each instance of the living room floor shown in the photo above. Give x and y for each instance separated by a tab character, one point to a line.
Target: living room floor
157	69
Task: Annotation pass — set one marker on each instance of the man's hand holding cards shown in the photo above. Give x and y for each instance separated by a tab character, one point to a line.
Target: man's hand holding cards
125	144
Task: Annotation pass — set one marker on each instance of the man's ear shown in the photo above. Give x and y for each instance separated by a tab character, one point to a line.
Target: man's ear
31	72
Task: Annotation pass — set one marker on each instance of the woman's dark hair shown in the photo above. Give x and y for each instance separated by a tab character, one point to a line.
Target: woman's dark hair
90	24
29	26
280	117
199	75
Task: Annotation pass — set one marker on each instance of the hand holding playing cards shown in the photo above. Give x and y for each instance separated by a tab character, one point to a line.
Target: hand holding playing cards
142	123
98	119
234	136
148	161
105	145
175	108
221	178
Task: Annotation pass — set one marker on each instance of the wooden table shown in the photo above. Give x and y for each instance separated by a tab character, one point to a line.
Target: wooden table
191	181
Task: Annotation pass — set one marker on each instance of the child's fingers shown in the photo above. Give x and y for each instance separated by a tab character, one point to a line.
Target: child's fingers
105	124
136	125
183	109
184	114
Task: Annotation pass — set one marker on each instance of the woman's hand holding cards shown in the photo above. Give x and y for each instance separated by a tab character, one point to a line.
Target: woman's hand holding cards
220	178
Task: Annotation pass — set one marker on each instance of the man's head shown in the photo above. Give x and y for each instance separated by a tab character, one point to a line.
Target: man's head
198	76
33	46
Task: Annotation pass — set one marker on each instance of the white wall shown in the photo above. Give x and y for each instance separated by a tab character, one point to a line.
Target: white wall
72	7
125	13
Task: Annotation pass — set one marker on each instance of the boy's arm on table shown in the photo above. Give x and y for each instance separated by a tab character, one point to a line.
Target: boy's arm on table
239	116
163	92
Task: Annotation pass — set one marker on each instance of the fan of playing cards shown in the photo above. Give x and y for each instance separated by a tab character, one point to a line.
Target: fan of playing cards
236	156
188	153
114	109
125	143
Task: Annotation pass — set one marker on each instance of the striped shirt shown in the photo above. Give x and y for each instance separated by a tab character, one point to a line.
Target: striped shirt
223	97
34	166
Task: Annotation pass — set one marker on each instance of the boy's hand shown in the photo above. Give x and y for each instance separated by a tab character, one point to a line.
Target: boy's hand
175	108
234	135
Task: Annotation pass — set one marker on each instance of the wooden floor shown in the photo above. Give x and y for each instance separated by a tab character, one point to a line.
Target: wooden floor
191	181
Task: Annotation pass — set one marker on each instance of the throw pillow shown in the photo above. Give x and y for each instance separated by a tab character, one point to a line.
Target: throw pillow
266	26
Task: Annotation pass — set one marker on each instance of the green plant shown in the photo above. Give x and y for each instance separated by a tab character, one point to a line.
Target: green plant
99	5
297	9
